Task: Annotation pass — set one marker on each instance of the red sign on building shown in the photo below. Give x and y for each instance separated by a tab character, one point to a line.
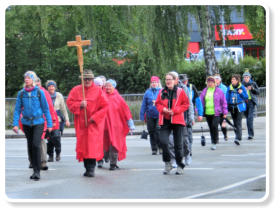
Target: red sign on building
233	32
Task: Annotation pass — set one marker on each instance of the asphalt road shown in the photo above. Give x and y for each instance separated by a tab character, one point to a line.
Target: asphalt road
230	173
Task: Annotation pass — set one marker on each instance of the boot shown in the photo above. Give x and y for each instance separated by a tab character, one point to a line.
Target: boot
57	158
90	168
50	158
86	167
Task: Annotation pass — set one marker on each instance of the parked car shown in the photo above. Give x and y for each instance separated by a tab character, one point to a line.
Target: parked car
225	53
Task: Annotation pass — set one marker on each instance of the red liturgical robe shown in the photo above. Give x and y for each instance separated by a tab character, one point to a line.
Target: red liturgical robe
90	138
116	128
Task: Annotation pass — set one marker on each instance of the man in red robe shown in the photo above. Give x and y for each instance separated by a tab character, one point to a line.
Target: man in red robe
89	147
117	125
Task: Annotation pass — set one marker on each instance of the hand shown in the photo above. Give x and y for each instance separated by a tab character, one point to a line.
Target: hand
83	104
199	118
170	112
165	110
54	124
240	91
15	129
249	87
91	121
67	123
225	116
50	129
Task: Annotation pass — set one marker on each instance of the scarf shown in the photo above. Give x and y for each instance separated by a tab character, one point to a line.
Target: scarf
28	89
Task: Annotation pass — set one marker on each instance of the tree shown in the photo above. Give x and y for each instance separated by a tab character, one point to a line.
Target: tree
207	40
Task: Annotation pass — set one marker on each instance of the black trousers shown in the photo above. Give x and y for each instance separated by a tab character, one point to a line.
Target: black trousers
224	129
153	129
54	142
237	121
213	123
165	131
33	135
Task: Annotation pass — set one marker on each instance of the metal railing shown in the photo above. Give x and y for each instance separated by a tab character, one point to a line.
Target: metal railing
134	102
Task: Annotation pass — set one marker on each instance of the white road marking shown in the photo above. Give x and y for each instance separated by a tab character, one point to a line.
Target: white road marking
244	155
226	187
20	169
140	170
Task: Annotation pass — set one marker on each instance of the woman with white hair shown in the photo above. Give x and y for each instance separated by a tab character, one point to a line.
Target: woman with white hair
118	123
32	103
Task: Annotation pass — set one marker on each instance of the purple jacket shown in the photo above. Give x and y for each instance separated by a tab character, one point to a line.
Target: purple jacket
220	102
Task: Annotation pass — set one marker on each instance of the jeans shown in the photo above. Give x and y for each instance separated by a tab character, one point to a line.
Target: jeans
237	121
249	114
33	135
153	129
165	131
213	123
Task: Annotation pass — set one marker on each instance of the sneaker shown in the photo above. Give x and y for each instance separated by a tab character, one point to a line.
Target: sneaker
57	158
167	168
30	166
179	171
236	142
188	160
50	159
154	152
226	138
250	138
100	164
213	147
174	164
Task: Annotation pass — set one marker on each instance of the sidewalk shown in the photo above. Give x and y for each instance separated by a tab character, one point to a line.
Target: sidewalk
259	123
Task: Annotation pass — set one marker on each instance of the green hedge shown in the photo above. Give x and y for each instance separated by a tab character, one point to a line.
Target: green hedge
197	76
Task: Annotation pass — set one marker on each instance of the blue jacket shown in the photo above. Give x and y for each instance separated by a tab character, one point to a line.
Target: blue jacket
32	106
234	99
148	106
196	99
223	88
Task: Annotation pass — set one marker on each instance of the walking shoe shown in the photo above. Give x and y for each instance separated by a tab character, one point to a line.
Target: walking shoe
100	164
50	159
30	166
167	168
160	151
250	138
57	158
213	147
154	152
188	160
236	142
35	176
226	138
44	166
179	171
113	167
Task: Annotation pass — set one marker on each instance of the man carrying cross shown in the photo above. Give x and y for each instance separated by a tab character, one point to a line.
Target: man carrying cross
89	147
89	106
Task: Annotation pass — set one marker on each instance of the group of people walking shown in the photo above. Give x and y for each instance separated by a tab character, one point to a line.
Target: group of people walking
170	112
102	119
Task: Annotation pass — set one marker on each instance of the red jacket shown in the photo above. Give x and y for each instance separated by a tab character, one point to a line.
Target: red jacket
179	106
116	127
89	139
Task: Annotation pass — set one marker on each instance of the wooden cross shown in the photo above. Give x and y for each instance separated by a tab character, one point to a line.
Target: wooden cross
79	43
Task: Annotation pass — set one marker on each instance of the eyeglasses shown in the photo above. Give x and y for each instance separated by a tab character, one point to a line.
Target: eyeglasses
87	79
169	79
